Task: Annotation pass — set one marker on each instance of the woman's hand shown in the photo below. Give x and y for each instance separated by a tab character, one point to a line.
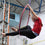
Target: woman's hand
34	14
27	4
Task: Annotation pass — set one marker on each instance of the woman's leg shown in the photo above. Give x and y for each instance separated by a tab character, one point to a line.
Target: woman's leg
14	29
28	33
17	32
12	33
25	27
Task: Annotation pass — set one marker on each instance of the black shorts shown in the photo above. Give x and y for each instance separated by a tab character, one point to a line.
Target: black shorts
27	31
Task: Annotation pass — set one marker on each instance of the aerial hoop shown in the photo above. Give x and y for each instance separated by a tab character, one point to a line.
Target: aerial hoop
22	15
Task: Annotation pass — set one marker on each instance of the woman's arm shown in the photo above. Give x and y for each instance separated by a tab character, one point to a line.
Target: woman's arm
32	11
30	15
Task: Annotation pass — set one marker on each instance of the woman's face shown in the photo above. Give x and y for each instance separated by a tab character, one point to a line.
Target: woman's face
33	19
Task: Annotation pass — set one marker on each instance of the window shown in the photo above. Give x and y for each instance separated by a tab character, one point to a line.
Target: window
12	16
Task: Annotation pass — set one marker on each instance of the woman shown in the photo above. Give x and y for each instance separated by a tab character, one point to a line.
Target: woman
27	30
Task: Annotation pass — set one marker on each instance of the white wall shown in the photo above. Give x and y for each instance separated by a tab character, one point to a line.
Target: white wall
1	14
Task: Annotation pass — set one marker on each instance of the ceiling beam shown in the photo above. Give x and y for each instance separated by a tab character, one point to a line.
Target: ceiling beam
20	3
16	5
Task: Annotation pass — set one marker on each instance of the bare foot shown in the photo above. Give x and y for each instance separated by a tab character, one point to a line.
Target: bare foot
3	34
14	29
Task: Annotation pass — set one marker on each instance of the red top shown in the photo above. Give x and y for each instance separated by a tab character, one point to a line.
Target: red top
37	26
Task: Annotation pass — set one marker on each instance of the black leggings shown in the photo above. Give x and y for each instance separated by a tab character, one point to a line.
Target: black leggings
25	31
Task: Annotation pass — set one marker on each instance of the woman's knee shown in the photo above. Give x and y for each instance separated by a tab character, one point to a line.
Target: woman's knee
28	27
